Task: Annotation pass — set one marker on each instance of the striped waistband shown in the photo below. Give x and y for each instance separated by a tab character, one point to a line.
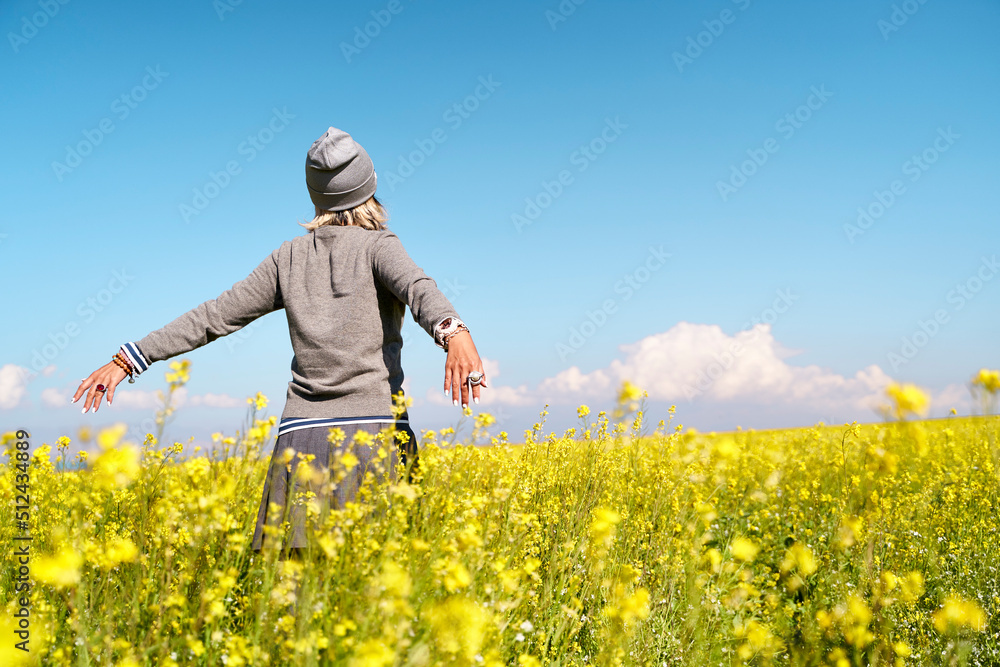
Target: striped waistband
290	424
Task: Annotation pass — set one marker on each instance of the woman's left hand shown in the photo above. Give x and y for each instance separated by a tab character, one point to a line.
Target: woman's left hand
463	358
108	376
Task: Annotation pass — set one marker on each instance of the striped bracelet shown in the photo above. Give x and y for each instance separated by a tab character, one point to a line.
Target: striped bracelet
124	365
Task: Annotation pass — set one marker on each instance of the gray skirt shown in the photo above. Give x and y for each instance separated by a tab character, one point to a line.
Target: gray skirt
281	477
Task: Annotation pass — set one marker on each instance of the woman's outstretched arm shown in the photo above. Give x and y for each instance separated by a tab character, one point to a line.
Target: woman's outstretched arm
254	296
400	274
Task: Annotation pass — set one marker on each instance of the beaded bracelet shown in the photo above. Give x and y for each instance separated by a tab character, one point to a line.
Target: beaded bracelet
458	330
125	366
125	360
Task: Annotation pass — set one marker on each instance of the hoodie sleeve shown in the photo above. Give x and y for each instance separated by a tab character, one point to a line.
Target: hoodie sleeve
408	282
256	295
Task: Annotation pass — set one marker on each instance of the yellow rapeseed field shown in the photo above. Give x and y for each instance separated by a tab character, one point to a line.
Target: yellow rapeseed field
618	542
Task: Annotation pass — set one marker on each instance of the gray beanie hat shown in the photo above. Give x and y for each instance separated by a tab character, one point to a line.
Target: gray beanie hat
339	173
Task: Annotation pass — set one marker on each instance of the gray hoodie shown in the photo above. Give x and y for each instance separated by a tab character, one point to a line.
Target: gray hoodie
344	291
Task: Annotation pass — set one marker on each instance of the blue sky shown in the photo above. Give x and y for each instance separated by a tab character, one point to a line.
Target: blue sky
616	192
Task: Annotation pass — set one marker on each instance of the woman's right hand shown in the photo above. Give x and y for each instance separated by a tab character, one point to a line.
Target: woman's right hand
108	375
462	360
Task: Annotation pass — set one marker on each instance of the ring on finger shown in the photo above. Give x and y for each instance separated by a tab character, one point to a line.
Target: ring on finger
476	378
100	387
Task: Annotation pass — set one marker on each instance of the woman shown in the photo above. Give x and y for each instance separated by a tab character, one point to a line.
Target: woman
344	287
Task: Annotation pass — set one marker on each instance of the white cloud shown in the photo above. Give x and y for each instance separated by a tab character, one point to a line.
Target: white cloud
216	401
701	363
953	396
13	385
56	398
132	399
495	394
135	399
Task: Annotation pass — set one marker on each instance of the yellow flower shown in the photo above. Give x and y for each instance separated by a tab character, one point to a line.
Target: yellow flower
10	654
849	531
372	653
111	436
908	399
744	549
456	577
259	401
957	613
799	557
395	580
116	467
582	412
758	639
181	372
629	392
912	587
349	460
988	380
459	627
603	526
341	629
634	607
61	569
119	550
363	438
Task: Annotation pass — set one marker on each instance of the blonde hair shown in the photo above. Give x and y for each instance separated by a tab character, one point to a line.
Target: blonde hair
369	215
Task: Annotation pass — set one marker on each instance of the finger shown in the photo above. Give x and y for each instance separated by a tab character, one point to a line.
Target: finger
111	390
84	383
447	378
88	397
94	397
456	385
475	389
465	388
